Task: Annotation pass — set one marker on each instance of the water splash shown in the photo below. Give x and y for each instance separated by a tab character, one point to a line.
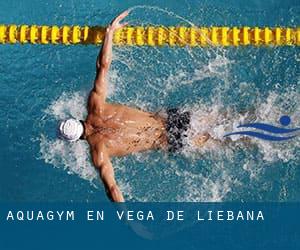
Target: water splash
74	158
214	84
192	185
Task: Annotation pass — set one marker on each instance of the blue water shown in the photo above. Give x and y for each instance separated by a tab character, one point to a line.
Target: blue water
42	84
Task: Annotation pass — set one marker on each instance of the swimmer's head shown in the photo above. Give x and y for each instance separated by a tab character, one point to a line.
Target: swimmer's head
70	130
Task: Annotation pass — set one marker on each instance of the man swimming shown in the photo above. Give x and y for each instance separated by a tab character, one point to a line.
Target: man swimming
117	130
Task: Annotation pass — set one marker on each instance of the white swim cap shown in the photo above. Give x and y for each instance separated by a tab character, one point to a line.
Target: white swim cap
70	130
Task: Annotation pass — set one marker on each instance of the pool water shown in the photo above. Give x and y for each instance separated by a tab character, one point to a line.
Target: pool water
43	84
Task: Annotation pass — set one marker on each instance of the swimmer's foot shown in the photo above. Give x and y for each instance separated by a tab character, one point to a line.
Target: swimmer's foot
200	140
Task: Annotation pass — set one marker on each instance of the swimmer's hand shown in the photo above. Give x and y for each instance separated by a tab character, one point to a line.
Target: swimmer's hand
115	24
105	57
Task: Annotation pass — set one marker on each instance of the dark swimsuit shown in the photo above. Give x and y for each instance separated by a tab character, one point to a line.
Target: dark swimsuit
177	124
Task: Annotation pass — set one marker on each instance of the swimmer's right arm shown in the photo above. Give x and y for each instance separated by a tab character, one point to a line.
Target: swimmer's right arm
105	56
103	164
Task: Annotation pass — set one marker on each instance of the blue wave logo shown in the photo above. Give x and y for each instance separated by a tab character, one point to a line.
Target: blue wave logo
279	133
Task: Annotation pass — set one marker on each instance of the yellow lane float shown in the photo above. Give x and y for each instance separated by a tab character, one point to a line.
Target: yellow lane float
152	35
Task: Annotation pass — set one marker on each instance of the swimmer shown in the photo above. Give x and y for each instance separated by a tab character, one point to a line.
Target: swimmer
114	130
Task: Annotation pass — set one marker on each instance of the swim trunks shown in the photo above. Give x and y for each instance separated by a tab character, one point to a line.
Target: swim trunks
177	125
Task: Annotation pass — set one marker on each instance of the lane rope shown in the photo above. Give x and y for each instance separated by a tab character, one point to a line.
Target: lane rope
152	35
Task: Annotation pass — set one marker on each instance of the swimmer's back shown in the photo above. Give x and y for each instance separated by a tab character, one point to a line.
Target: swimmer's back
126	130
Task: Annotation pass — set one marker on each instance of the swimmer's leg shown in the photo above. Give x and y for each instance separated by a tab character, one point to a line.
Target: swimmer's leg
203	138
200	140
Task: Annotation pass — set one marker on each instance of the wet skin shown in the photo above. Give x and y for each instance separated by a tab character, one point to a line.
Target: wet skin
123	130
113	129
118	130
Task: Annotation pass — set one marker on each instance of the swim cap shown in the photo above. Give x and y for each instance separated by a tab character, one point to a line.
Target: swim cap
70	130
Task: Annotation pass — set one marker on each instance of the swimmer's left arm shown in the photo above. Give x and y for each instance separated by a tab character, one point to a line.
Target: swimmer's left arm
105	56
103	164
